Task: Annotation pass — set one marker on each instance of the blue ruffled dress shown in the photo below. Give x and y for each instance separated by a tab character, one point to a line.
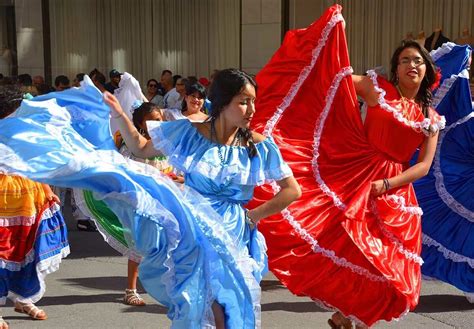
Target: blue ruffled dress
195	243
446	193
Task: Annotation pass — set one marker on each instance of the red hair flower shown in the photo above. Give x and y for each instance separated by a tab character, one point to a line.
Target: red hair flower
437	79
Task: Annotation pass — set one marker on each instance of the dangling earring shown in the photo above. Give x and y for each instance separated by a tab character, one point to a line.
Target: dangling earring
396	79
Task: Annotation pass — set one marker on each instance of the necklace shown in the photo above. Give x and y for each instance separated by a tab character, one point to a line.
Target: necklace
235	142
405	102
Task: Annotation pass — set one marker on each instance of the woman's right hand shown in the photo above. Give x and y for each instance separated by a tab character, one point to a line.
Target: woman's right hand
112	101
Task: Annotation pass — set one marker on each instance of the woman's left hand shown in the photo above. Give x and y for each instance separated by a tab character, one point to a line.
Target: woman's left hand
51	197
377	188
253	217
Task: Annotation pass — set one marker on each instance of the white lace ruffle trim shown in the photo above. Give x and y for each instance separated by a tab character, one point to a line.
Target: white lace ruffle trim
448	254
344	72
340	261
303	75
126	251
400	200
443	193
400	247
17	221
425	126
353	318
43	268
445	87
441	51
30	256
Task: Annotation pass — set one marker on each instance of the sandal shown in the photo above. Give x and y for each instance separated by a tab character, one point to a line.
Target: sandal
31	309
3	323
133	298
338	321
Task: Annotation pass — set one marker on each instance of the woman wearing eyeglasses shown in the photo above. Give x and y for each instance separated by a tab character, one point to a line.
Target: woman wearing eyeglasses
352	241
152	94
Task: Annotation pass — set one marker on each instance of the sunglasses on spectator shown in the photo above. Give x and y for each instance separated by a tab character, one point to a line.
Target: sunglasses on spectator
152	86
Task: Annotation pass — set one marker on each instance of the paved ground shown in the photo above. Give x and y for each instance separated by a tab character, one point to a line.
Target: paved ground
86	292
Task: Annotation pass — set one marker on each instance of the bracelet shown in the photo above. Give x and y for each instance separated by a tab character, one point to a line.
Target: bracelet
386	184
248	220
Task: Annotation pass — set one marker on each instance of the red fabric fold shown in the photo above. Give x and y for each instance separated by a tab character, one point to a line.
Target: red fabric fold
337	244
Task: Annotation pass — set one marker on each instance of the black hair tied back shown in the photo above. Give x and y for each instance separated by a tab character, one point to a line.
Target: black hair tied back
227	84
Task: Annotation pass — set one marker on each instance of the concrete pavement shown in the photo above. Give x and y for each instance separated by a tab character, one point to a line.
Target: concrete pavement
87	290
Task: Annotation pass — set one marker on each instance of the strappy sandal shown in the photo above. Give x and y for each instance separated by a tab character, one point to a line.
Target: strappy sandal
133	298
3	324
31	310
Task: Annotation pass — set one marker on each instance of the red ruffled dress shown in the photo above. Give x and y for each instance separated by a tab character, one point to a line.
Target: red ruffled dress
337	244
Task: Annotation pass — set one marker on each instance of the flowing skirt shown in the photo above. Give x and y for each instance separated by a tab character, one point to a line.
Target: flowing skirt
189	260
33	239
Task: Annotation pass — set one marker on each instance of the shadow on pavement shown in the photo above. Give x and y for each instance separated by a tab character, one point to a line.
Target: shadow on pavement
80	299
269	285
100	298
101	283
296	307
149	308
89	244
443	304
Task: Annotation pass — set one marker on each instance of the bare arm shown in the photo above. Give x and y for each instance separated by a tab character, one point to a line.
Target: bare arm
50	196
289	192
136	143
420	169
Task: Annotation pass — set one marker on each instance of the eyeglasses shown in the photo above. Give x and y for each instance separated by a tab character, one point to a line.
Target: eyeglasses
407	61
152	86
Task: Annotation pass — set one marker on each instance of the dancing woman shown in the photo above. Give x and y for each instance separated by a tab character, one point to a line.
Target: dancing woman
32	230
445	194
352	241
225	162
203	258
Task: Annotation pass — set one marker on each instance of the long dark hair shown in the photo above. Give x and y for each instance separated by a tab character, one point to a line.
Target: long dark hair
191	88
140	112
10	99
227	84
424	96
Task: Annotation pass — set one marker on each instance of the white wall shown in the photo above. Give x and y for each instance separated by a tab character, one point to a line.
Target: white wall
29	28
261	32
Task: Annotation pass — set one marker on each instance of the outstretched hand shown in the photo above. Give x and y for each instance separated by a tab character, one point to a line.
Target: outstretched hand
112	101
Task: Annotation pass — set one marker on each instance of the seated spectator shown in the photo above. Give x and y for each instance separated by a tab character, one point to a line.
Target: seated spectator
38	80
25	80
98	78
152	94
114	76
192	79
171	99
44	89
181	88
77	80
61	83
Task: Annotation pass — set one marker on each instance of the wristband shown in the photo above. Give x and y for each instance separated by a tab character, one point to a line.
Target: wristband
386	184
248	220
